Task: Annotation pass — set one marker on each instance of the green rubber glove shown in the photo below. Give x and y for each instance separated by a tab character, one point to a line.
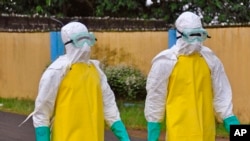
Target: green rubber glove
42	133
120	131
154	130
233	120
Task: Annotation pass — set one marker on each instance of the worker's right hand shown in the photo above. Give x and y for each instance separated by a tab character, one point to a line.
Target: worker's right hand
42	133
154	130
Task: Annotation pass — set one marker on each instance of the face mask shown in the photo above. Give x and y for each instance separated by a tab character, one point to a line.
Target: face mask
79	39
196	35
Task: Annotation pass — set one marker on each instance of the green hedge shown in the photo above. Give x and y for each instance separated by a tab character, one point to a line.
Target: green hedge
128	83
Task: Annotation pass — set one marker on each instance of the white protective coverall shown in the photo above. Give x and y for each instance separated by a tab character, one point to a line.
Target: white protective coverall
189	84
74	97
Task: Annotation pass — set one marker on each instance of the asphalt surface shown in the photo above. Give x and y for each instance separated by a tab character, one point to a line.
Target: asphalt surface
10	131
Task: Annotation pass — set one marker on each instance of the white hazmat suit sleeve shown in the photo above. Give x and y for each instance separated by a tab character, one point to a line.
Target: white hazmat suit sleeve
221	86
47	92
222	90
156	86
111	112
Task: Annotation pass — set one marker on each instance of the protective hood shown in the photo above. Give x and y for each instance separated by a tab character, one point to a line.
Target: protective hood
75	53
187	20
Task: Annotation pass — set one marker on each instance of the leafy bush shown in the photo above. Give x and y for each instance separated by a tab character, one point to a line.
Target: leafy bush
128	83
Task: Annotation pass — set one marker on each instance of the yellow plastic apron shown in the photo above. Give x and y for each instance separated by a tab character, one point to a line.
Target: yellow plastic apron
79	107
189	108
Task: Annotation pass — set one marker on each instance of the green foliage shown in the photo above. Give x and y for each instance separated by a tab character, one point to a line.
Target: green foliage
39	9
35	7
213	12
127	83
217	12
124	8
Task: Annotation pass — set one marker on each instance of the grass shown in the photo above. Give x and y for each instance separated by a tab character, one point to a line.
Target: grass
132	114
15	105
220	131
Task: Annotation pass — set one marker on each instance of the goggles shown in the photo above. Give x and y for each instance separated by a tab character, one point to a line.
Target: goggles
79	39
194	35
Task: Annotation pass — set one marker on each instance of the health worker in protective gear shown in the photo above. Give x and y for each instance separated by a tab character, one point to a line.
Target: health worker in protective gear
186	85
74	98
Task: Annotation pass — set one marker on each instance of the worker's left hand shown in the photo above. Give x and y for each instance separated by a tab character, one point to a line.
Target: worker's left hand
232	120
120	131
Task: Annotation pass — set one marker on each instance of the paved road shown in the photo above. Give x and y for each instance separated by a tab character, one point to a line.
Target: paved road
9	130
